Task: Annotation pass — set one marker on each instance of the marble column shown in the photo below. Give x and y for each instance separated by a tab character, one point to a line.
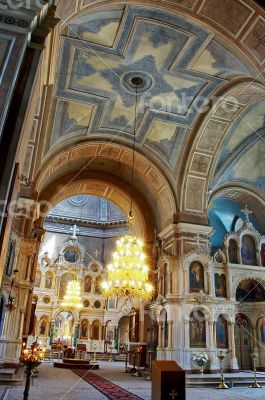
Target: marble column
233	360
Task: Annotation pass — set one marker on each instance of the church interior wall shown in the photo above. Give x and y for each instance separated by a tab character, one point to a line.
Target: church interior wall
207	254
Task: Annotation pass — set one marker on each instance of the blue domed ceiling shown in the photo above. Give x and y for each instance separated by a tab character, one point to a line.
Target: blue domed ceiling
226	216
88	208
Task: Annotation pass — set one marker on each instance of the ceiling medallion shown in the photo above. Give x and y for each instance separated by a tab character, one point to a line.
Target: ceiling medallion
141	80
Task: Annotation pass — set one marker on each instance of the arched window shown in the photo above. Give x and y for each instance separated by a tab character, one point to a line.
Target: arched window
87	284
98	283
233	252
197	330
37	279
221	333
196	277
48	280
248	251
95	330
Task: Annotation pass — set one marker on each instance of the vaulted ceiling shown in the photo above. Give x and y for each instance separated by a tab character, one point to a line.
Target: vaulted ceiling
200	116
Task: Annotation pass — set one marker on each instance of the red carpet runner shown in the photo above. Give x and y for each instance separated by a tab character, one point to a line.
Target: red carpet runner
107	388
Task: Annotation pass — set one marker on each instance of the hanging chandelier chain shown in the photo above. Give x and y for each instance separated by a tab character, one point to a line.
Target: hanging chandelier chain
134	143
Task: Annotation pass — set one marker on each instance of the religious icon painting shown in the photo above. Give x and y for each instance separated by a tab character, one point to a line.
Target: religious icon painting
84	329
197	330
248	251
221	333
220	285
71	255
196	277
43	325
233	252
250	290
87	284
48	280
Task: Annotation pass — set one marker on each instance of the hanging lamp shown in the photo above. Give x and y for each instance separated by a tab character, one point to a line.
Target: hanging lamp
127	274
72	297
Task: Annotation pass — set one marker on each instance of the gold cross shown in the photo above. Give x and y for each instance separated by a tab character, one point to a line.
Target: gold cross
173	394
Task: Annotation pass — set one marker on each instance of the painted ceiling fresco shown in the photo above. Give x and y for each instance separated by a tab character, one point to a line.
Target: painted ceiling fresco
181	65
243	153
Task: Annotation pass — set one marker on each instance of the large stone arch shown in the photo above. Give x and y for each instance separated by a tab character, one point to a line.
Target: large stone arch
237	279
206	142
245	194
108	167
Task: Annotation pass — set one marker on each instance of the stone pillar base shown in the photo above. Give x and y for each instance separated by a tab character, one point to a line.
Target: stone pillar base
10	351
234	365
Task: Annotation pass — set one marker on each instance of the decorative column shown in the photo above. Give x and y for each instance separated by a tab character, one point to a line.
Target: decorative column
116	340
186	333
170	327
21	323
160	335
75	334
52	330
211	334
233	360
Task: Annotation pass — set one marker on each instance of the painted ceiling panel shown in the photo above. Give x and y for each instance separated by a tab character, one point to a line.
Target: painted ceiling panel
181	65
242	154
248	167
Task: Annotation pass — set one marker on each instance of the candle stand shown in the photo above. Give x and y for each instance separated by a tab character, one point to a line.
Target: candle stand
126	363
222	384
31	358
255	384
133	370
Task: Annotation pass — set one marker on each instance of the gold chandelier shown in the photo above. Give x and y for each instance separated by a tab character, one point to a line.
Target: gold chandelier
128	272
72	297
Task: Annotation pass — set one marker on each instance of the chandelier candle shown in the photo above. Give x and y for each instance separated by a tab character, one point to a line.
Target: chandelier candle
127	275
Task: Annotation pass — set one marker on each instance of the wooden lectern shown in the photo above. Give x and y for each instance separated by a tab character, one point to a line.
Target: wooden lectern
168	381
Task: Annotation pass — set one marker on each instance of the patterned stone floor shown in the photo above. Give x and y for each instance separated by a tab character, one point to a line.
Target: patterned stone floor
59	384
